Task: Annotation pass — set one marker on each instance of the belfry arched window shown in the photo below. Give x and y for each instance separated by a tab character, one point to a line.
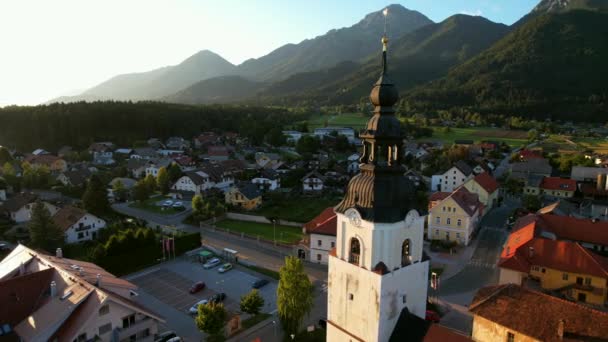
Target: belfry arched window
354	251
405	253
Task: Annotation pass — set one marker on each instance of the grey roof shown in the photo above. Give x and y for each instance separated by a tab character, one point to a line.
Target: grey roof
463	167
145	152
315	174
536	165
195	177
534	180
77	177
215	171
134	164
581	173
249	190
17	202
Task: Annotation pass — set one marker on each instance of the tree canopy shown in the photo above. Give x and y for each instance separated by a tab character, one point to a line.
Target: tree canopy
294	295
44	233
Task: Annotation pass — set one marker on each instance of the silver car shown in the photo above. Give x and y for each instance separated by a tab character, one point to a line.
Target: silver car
211	263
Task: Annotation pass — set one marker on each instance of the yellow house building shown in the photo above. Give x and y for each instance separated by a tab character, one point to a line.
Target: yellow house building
247	197
513	313
485	187
561	266
454	216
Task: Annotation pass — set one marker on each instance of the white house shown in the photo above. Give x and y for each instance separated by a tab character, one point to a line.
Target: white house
70	300
353	163
102	153
456	176
292	136
77	224
204	179
313	182
19	207
267	180
322	235
155	165
348	132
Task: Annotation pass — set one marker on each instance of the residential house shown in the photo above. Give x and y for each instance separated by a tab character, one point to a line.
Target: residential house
536	166
155	165
144	153
454	216
417	178
205	139
127	184
456	176
137	167
313	182
415	151
525	154
19	207
124	153
353	162
102	152
208	177
75	178
51	298
267	180
486	188
562	267
3	188
246	196
53	163
155	143
177	143
77	224
40	152
587	174
532	184
512	313
292	136
217	153
267	160
558	187
348	132
185	163
322	231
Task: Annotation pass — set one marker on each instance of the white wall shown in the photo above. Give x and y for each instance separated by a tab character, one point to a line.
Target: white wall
25	213
508	276
323	249
452	179
71	235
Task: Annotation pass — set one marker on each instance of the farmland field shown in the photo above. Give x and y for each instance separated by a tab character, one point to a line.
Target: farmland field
511	137
354	120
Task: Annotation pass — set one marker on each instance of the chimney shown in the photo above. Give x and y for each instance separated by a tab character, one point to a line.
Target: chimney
98	281
80	271
560	329
531	252
59	253
53	289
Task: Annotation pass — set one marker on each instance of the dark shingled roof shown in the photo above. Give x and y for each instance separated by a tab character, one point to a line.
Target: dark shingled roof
249	190
463	167
17	202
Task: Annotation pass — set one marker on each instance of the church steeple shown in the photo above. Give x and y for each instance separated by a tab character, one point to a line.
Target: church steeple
380	192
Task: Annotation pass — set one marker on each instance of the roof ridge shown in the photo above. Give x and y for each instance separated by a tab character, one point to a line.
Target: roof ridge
593	257
499	289
564	300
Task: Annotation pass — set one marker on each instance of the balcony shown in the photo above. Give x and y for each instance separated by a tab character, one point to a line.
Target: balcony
137	329
83	228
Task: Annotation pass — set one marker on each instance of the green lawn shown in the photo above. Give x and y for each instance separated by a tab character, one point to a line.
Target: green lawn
298	209
151	205
354	120
477	134
284	234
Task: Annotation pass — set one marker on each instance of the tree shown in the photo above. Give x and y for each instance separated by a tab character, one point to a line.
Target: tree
294	295
140	191
308	144
44	233
150	183
276	137
119	190
252	302
211	319
163	182
174	172
5	155
198	205
9	174
531	202
95	198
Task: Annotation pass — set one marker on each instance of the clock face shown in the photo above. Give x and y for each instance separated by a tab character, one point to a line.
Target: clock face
354	217
410	218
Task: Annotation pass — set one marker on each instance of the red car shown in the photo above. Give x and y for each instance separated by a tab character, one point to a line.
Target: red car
197	287
432	316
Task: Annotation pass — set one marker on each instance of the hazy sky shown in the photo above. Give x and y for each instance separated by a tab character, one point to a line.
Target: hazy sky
50	48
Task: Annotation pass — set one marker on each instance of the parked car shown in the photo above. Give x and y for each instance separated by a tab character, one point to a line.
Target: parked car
432	316
178	205
259	283
217	298
194	309
225	268
211	263
165	336
198	286
175	339
167	203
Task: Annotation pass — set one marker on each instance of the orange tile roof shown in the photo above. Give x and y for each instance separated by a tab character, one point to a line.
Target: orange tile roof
564	256
439	196
539	315
22	295
571	228
487	182
68	216
439	333
558	183
326	223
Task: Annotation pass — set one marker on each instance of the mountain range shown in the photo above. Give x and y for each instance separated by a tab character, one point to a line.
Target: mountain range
554	52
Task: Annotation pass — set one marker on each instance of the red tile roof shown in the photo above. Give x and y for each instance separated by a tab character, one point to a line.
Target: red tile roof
439	196
68	216
325	224
439	333
538	315
22	295
528	154
566	228
487	182
564	256
468	201
558	183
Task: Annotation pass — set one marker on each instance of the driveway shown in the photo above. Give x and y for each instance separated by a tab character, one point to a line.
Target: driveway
153	219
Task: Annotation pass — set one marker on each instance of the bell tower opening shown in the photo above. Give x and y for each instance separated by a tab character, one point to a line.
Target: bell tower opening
406	257
354	251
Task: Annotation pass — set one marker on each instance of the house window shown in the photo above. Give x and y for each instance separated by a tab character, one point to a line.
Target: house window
542	270
405	253
105	328
355	251
319	243
436	232
351	296
104	310
453	183
404	299
80	235
579	280
458	235
443	208
510	337
448	221
319	257
459	222
333	244
81	338
128	321
565	276
438	220
588	281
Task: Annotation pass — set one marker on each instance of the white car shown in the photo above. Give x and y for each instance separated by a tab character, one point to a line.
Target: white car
178	205
194	309
211	263
168	203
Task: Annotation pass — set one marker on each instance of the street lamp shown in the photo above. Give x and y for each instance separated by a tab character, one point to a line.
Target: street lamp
274	326
274	230
293	336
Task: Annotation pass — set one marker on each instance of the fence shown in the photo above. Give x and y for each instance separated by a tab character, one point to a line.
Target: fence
260	219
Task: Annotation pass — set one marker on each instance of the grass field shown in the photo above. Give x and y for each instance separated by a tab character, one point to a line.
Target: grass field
299	209
477	134
355	120
284	234
151	205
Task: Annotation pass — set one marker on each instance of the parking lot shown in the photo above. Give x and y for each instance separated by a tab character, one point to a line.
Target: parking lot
165	289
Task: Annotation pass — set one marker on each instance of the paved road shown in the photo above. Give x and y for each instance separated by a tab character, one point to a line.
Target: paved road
153	219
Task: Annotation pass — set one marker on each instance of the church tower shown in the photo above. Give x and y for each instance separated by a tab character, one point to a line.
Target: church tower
377	269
